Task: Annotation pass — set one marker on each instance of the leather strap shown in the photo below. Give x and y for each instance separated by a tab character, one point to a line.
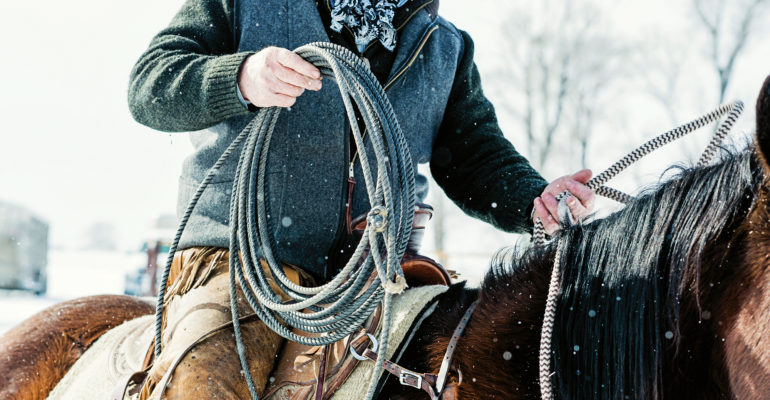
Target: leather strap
319	389
432	384
136	380
450	350
405	376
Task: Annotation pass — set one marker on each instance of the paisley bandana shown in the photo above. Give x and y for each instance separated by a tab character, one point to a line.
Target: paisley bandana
367	19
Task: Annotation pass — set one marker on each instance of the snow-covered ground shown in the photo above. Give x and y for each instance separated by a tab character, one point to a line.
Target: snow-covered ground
71	274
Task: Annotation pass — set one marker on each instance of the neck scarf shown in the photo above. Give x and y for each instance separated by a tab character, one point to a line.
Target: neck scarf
367	19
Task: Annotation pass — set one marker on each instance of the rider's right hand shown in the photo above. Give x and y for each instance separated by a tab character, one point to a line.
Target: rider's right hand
276	77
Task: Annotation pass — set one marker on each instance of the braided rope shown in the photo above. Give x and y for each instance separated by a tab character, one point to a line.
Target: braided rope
548	321
336	309
733	110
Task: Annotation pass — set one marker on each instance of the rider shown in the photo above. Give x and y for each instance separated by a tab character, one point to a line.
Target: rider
219	61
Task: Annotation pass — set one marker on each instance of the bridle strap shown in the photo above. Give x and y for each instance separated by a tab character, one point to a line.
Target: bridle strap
450	350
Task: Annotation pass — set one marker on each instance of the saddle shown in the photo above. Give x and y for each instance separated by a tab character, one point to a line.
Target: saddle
316	372
300	372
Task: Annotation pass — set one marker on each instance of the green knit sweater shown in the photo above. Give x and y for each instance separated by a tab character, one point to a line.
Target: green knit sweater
186	81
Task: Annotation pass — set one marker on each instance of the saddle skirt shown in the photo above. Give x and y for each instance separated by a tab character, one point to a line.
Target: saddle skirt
114	356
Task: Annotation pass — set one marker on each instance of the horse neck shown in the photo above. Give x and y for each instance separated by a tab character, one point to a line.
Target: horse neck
499	349
744	303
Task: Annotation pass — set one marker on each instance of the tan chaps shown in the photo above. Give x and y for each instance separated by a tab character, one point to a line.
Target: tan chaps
197	301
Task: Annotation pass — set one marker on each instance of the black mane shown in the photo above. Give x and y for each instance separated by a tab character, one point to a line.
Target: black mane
631	281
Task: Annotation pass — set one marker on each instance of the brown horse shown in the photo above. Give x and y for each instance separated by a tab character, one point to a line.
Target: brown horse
37	353
666	298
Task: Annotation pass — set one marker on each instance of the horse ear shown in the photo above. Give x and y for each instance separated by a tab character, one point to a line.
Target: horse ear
763	123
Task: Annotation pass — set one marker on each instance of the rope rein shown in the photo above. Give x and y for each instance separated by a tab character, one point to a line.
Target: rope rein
733	111
334	310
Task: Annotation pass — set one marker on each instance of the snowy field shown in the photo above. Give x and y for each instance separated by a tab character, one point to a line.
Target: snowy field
71	274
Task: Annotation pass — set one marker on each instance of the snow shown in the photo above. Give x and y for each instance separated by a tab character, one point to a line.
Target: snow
71	274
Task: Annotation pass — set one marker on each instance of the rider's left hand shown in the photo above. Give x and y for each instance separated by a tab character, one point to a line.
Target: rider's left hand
580	204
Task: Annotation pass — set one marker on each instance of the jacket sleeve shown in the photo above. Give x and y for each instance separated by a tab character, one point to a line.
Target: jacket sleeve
477	167
186	80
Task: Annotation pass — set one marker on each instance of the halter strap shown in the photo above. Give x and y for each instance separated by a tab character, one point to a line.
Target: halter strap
450	350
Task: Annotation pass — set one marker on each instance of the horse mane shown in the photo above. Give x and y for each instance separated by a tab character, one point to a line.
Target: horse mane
628	280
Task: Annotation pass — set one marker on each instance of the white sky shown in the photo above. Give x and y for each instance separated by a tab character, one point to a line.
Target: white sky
70	151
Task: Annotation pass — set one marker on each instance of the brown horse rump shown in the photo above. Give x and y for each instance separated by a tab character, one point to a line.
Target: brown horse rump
115	355
37	353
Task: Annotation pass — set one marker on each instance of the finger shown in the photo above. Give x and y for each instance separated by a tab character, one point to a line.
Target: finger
280	87
292	60
585	195
280	100
576	208
582	176
294	78
551	204
541	213
558	186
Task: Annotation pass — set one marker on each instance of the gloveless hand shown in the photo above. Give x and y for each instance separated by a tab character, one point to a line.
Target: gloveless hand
580	204
275	77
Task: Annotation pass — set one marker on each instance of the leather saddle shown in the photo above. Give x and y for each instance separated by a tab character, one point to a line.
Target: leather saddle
300	368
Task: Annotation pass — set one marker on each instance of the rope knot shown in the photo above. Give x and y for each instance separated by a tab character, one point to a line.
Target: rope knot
378	218
395	287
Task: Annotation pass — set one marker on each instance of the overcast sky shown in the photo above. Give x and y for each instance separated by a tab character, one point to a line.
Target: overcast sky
71	152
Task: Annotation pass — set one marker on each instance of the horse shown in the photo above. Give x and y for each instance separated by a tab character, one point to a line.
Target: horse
665	298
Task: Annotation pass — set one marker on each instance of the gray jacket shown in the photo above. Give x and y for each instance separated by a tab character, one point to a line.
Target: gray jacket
308	162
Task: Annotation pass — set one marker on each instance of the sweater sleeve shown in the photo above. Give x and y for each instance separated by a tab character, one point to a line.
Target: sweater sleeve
475	165
186	80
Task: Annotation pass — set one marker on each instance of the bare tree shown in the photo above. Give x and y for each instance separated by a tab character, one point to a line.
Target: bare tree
729	26
558	61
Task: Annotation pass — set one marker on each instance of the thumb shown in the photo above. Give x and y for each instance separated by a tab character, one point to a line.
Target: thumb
582	176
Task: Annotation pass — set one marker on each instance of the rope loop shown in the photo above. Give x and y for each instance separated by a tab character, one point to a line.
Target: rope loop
327	313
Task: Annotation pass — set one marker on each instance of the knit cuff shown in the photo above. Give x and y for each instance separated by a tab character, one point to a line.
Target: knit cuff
219	86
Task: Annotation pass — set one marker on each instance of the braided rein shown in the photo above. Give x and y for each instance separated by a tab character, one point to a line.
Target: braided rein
733	111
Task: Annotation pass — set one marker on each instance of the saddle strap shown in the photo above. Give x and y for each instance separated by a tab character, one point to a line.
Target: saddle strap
130	384
426	382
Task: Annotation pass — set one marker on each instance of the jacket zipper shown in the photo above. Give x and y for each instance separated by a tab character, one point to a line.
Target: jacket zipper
393	80
348	201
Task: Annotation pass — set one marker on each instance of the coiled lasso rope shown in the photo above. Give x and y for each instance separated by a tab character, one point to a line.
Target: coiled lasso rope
346	300
733	110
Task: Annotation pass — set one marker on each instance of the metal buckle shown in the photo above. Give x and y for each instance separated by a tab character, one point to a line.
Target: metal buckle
406	374
375	345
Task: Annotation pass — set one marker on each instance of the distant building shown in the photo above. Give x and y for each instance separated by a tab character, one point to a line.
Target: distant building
23	249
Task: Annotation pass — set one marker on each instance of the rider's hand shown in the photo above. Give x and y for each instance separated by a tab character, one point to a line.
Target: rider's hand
580	204
276	77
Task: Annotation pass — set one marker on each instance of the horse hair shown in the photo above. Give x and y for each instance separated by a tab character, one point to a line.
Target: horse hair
626	279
